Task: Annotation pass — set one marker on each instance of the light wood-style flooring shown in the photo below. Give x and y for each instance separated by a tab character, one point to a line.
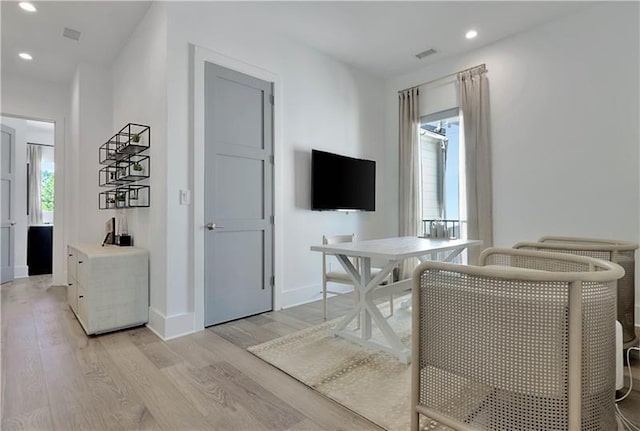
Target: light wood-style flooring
55	377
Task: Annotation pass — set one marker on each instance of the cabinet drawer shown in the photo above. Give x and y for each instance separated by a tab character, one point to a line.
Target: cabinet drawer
72	295
83	271
83	302
72	262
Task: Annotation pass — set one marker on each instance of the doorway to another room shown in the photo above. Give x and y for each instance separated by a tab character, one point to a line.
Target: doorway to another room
28	179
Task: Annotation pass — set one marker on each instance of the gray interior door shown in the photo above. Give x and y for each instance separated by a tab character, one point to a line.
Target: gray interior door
238	195
7	228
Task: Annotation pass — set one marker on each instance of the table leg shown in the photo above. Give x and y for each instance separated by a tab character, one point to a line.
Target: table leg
367	311
365	317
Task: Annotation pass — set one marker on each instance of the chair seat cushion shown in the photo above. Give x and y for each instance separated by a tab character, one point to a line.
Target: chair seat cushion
343	276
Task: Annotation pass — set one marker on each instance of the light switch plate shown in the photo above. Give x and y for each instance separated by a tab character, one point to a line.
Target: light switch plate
185	197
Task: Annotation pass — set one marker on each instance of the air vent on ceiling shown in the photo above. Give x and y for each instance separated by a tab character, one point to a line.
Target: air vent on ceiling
428	52
71	33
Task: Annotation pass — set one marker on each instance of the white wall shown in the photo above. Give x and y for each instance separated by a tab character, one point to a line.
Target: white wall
140	96
91	124
324	103
45	101
564	118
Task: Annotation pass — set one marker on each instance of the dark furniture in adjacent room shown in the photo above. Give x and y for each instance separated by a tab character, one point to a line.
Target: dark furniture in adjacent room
40	249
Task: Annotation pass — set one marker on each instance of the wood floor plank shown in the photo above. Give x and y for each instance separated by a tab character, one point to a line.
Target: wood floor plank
39	419
72	404
165	402
261	403
213	400
306	425
206	347
244	333
109	386
153	348
284	317
279	328
24	388
314	406
50	328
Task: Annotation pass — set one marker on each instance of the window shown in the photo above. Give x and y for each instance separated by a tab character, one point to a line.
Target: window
439	171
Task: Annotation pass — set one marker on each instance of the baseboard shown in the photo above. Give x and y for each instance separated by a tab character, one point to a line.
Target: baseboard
304	295
21	271
169	327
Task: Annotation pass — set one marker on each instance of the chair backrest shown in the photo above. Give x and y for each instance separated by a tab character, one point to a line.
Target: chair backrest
492	343
336	239
620	252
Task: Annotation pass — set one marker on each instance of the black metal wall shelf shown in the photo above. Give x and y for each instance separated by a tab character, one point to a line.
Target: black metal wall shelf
130	196
125	171
125	164
131	139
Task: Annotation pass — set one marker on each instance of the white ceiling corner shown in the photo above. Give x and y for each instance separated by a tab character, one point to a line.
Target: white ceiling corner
105	28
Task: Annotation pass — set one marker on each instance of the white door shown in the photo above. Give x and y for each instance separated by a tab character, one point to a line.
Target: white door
238	195
7	223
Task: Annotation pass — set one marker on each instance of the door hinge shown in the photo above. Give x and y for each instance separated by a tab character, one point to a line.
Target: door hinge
272	99
273	280
272	220
272	159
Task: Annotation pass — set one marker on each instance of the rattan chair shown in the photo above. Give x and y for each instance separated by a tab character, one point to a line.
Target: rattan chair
620	252
524	341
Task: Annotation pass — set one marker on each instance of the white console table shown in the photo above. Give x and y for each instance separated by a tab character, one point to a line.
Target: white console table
392	251
108	286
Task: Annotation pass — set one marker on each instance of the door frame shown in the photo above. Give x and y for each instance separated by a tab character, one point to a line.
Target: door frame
60	239
198	57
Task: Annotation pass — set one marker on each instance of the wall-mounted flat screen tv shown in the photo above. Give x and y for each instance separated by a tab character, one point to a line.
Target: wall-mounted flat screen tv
342	183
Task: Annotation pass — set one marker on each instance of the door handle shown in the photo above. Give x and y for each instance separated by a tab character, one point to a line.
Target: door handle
212	226
12	222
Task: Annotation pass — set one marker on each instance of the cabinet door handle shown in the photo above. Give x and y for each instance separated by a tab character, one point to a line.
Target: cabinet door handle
80	296
70	284
79	261
70	255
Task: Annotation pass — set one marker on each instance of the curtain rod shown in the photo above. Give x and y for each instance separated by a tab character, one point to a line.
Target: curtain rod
42	145
483	66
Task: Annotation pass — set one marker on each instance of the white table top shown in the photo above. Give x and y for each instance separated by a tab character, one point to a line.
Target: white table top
398	248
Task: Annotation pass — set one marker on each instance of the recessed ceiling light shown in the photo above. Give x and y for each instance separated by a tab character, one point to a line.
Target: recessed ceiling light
25	56
27	6
471	34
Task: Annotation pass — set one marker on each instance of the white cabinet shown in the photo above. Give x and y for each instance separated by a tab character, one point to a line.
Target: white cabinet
108	286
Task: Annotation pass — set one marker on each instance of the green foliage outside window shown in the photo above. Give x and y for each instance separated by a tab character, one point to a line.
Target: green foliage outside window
47	190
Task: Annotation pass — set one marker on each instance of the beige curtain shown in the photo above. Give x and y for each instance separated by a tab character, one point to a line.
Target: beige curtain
474	104
34	157
409	170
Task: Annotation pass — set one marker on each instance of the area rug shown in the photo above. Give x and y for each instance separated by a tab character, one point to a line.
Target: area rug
369	382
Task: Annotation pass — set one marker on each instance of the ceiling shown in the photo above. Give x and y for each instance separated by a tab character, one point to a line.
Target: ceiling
105	28
384	37
379	37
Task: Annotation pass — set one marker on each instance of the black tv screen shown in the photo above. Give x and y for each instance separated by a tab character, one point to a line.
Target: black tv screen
342	183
